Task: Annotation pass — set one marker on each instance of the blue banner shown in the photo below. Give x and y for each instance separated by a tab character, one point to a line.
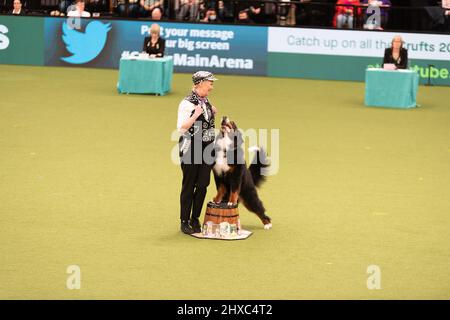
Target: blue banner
100	43
224	49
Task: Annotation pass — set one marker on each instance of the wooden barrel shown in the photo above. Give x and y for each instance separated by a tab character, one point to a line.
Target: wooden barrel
221	212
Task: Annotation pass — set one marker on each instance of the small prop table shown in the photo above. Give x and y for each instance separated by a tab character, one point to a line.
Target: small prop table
391	88
145	75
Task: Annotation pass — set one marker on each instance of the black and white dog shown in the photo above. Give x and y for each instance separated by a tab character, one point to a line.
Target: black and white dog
234	181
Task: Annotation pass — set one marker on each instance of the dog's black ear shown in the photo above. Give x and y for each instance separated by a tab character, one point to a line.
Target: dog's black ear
224	120
233	125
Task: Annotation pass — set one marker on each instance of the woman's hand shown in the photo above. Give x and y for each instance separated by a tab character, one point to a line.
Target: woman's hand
197	111
214	110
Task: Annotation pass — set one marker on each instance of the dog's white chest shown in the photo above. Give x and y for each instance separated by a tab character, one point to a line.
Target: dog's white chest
221	165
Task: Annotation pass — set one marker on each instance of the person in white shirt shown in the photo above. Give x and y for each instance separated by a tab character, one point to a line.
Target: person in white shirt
79	11
196	126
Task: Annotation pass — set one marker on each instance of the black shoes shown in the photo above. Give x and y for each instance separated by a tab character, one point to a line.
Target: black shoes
195	224
186	228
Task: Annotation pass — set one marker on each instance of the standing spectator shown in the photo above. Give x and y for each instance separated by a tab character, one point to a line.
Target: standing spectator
79	11
17	8
345	13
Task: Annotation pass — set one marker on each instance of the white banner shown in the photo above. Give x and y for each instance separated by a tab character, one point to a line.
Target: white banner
356	43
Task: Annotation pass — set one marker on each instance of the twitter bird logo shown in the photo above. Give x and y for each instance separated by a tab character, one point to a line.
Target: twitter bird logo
84	47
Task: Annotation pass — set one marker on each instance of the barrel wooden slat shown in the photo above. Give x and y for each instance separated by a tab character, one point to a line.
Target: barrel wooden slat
217	213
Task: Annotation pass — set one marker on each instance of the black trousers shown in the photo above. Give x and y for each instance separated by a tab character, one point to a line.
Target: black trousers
193	190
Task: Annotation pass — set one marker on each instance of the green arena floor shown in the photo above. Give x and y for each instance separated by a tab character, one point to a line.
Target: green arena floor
86	179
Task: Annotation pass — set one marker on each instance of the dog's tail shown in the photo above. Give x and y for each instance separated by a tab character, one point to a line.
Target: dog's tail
259	162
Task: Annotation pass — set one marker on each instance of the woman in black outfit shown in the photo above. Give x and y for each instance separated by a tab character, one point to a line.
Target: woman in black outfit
396	54
154	45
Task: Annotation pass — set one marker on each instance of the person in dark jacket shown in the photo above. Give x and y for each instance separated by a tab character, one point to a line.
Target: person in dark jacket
154	45
17	8
396	54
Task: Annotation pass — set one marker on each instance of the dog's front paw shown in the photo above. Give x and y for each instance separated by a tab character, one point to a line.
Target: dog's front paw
217	200
230	204
268	226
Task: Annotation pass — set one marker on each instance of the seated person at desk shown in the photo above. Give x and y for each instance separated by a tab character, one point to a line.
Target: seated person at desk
154	45
396	54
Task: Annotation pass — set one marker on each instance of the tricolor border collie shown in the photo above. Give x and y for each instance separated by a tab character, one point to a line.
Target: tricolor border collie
234	181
